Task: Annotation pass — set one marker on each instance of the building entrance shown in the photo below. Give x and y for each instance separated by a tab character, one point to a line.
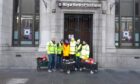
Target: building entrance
79	25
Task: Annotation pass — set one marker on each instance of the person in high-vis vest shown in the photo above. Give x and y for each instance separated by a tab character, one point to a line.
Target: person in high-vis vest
85	51
51	51
72	48
66	50
59	54
78	53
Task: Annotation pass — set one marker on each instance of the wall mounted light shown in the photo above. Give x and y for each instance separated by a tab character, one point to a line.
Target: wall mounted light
53	10
104	11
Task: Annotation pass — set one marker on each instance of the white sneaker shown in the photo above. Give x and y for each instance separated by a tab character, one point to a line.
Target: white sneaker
76	69
49	71
91	72
80	69
54	70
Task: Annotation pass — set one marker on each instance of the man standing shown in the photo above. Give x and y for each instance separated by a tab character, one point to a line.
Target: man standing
78	53
51	50
59	54
66	49
85	51
72	48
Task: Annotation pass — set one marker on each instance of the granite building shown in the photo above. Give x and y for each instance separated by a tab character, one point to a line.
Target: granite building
110	27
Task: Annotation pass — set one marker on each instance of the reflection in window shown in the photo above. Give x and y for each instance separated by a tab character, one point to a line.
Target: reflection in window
26	27
126	31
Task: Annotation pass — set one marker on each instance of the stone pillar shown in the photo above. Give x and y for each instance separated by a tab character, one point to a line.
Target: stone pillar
103	29
53	19
6	16
45	27
110	28
1	2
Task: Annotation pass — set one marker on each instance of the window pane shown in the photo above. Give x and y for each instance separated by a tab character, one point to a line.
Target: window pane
137	8
126	31
26	29
137	31
16	6
37	6
37	30
27	6
126	7
116	31
15	30
117	8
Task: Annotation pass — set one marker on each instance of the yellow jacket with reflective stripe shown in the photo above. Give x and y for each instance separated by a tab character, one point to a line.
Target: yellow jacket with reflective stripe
78	50
59	48
72	47
85	52
51	48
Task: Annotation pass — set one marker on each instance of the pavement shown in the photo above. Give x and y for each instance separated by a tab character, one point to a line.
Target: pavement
106	76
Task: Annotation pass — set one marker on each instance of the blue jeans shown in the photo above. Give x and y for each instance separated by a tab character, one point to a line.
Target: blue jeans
78	59
59	61
51	63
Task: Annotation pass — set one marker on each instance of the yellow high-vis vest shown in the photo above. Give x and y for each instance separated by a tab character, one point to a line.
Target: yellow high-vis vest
85	52
51	48
72	47
78	50
59	48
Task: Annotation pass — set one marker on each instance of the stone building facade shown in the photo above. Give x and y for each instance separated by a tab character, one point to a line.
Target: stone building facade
52	24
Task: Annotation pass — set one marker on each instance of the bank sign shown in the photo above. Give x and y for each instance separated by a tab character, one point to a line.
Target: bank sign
79	4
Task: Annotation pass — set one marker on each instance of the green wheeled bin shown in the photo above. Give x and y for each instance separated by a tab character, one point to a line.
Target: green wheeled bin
41	62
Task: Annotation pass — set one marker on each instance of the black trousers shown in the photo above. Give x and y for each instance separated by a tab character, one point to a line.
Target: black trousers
72	56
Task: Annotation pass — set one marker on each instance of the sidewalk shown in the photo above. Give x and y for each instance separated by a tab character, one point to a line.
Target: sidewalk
43	77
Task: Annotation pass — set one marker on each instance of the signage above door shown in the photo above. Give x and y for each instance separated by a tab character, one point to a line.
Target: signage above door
79	4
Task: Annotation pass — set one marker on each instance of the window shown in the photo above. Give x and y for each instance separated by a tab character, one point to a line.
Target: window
126	31
127	23
137	8
117	11
26	23
116	31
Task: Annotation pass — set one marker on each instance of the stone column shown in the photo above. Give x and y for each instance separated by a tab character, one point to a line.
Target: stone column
1	2
45	27
53	19
110	28
6	15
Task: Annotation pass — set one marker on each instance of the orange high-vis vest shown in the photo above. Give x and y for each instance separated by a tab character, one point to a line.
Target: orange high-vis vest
66	50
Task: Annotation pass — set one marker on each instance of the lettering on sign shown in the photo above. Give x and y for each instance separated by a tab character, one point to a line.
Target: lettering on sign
79	4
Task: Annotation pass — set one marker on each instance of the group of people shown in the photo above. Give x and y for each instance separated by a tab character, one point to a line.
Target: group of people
66	49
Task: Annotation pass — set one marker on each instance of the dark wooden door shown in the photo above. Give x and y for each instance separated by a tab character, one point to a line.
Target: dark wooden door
80	25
